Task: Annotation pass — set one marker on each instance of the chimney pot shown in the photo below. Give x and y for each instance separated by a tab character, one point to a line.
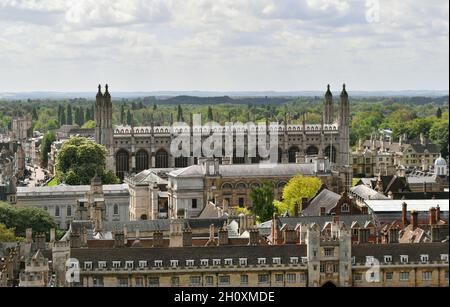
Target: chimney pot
404	212
432	216
414	219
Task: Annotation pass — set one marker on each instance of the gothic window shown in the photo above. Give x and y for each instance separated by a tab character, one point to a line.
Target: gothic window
330	153
312	151
116	209
181	162
293	154
227	186
142	159
162	159
122	164
57	211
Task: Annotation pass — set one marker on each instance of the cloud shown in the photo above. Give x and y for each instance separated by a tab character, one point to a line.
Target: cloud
224	44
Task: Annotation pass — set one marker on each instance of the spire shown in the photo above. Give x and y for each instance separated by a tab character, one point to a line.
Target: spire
328	91
344	91
99	93
107	94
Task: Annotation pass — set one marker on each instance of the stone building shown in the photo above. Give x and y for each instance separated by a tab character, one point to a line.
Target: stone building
325	258
63	201
134	149
21	128
36	273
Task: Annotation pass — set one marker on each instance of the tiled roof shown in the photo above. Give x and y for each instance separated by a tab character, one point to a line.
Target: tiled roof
367	193
325	198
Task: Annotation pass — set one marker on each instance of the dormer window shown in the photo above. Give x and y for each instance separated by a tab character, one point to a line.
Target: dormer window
142	264
158	263
370	259
294	260
190	262
305	260
204	262
216	261
387	259
129	264
276	260
345	208
404	259
261	261
444	257
88	265
243	261
228	261
353	260
424	258
102	264
116	264
174	263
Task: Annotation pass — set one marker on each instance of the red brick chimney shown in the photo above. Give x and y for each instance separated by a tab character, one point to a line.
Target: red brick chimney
415	219
296	210
404	212
438	214
432	216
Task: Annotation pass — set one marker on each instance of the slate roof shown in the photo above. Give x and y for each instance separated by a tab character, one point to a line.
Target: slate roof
64	189
248	170
325	198
367	193
414	251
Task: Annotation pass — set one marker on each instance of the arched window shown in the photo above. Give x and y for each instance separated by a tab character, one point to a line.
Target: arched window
227	186
181	162
345	208
255	185
331	152
69	210
312	151
241	186
57	213
281	184
144	217
122	163
293	154
142	159
116	209
162	159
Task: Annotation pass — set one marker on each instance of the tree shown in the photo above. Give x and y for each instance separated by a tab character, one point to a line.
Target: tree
46	145
22	218
180	117
88	125
439	113
298	188
62	119
210	114
122	114
34	114
439	135
69	115
129	117
6	234
79	160
262	198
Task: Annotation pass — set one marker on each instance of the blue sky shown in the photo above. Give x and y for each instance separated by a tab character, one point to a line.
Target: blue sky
223	45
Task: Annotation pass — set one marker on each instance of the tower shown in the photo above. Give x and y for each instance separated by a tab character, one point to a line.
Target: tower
328	107
343	158
104	125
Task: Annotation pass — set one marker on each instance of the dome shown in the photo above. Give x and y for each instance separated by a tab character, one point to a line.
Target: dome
440	162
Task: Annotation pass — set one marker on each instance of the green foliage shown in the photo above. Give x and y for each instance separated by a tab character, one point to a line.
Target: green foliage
88	125
69	115
46	144
298	188
239	210
22	218
79	160
262	199
54	182
7	235
439	135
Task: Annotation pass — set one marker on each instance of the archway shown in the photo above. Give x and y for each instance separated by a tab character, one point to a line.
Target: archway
144	217
312	151
122	163
329	284
162	159
293	154
142	159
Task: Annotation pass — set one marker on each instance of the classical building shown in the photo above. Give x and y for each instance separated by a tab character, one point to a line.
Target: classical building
64	202
381	156
134	149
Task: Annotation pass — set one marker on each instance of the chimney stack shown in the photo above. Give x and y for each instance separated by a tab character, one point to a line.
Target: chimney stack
296	210
223	235
254	237
289	235
415	219
438	214
40	241
119	240
187	237
432	216
29	235
393	235
158	239
404	213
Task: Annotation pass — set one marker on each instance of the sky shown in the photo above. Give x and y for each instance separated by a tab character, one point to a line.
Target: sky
223	45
